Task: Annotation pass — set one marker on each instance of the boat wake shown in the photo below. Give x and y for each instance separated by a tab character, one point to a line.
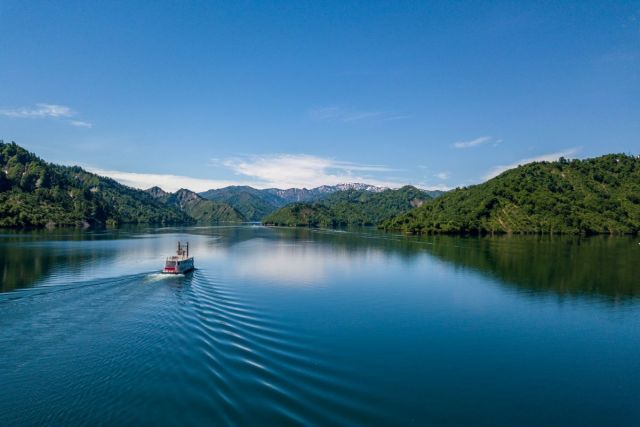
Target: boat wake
191	344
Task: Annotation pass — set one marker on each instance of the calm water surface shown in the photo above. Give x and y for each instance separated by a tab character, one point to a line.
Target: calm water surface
280	326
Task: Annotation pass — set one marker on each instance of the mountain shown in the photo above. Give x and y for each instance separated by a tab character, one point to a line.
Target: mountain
34	193
256	204
253	204
357	186
434	194
349	207
197	207
599	195
157	192
304	195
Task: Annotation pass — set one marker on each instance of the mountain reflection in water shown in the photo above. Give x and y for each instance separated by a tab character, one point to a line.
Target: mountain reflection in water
318	327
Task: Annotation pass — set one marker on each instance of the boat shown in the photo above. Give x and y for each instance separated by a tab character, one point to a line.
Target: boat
179	263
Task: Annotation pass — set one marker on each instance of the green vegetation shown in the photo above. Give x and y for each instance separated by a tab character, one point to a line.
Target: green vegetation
600	195
601	265
256	204
434	193
351	207
34	193
253	204
200	209
561	265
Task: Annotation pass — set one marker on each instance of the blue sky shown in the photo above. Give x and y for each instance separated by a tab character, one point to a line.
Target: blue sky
206	94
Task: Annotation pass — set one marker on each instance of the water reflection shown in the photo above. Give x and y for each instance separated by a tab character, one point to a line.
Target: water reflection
282	263
572	266
32	258
23	263
103	338
597	266
565	265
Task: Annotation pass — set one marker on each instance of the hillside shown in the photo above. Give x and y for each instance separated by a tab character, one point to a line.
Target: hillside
599	195
253	204
350	207
34	193
293	195
435	193
198	208
256	204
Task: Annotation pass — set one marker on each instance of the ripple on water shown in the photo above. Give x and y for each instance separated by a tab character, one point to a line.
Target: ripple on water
265	364
191	343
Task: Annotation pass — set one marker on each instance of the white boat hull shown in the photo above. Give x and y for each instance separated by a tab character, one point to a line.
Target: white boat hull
178	267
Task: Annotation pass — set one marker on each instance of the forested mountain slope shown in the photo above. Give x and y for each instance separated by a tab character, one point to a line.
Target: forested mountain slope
350	207
34	193
252	203
198	208
255	204
599	195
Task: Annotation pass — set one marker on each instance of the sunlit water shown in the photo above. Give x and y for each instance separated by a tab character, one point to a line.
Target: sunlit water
280	326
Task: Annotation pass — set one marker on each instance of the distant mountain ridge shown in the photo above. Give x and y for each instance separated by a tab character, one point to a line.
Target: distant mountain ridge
309	195
255	204
292	194
357	186
349	207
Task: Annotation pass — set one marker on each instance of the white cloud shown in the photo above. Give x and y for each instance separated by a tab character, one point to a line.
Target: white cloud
442	175
497	170
42	110
271	171
301	170
80	123
166	182
346	115
473	142
439	187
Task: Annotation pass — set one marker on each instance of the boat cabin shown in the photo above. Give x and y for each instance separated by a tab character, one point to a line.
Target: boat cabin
179	263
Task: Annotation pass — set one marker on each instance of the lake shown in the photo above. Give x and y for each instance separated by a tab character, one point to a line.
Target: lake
318	327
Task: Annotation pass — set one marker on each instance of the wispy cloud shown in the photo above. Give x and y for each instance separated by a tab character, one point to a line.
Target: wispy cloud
80	124
472	142
266	171
42	110
164	181
347	115
302	170
442	175
497	170
427	185
439	187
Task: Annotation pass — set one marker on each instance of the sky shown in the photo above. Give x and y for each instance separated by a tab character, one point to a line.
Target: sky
206	94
